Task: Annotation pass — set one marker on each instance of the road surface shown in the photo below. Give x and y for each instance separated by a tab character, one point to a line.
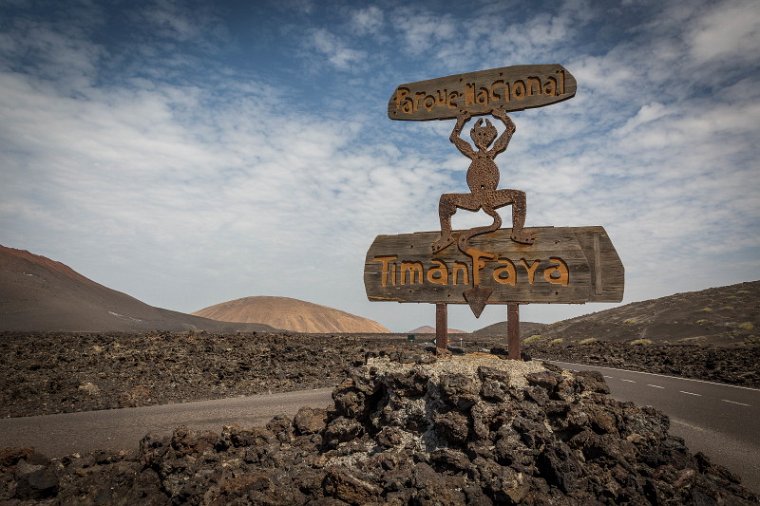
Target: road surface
722	421
122	429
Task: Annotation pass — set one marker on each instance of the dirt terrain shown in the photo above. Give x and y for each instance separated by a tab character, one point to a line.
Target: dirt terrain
41	295
725	316
59	373
290	314
406	429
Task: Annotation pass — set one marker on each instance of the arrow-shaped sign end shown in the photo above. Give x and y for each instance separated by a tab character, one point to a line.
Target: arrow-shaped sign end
477	298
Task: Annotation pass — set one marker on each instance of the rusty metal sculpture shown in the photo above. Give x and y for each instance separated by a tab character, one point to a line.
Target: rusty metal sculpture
490	265
483	180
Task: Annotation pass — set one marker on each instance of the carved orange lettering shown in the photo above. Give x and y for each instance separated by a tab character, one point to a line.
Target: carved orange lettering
550	88
441	97
518	90
479	258
418	97
413	269
469	94
460	267
482	97
438	275
531	269
429	102
453	96
506	274
496	97
534	86
386	263
557	274
401	95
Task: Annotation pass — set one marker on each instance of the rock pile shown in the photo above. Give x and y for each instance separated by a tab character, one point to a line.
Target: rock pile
470	429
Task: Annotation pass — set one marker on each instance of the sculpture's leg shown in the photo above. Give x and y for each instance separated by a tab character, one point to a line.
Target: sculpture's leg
447	207
519	205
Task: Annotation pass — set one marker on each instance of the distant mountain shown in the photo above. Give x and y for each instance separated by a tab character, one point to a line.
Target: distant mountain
728	315
290	314
40	294
527	329
427	329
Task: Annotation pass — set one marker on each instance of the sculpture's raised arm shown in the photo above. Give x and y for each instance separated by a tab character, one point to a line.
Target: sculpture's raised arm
503	141
461	144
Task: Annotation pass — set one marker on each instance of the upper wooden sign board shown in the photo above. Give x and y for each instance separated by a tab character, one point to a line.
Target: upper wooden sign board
509	88
564	265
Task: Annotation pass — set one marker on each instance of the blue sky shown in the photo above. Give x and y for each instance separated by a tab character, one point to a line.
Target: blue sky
189	153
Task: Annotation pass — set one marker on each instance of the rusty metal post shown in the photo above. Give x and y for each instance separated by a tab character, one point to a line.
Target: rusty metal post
441	329
513	331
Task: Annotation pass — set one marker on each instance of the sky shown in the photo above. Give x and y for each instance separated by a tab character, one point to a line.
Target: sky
190	153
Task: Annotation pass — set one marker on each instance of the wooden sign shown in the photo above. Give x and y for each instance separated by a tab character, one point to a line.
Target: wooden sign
508	88
563	265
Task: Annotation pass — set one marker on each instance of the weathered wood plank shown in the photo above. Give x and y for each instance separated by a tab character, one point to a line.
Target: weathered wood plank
510	88
559	267
606	267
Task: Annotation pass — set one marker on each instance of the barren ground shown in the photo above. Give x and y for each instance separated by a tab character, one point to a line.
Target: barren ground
59	373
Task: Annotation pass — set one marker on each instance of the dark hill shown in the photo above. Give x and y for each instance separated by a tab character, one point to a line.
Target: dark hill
39	294
527	329
724	316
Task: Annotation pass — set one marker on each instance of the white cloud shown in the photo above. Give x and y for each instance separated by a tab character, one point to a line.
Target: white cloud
338	54
367	21
422	29
187	192
729	30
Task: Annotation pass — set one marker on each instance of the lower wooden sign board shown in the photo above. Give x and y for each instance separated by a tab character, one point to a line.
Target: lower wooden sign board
564	265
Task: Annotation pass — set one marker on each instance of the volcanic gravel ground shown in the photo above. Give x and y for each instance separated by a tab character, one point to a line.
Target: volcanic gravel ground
59	373
470	429
736	366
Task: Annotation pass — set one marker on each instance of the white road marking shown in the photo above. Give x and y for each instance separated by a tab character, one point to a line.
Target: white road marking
627	381
690	393
737	403
654	386
598	367
606	376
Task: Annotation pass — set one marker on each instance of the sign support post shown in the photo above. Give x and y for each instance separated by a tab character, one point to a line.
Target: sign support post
513	331
441	329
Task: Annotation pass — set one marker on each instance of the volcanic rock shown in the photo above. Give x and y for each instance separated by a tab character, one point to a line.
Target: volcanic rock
549	437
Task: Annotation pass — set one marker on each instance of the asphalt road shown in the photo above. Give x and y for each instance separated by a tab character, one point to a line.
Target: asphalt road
722	421
122	429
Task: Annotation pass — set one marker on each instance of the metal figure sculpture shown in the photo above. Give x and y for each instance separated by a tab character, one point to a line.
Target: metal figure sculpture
483	179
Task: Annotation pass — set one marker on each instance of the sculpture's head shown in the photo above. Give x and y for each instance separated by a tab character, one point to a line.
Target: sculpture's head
481	135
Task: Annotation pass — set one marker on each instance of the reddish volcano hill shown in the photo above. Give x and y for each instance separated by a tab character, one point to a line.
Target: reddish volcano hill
291	314
427	329
41	295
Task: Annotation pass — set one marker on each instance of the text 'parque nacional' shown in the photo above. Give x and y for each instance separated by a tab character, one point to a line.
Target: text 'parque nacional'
507	88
